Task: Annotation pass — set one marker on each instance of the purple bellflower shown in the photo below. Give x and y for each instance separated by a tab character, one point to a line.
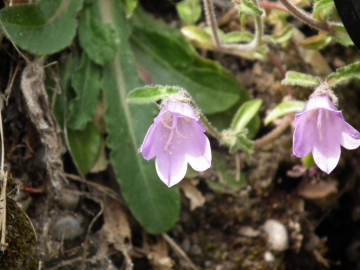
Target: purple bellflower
176	138
320	129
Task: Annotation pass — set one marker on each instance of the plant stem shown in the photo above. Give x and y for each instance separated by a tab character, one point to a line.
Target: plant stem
306	18
250	47
211	21
255	43
210	128
276	132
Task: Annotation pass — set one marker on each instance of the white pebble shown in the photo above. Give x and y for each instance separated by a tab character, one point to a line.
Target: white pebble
277	235
269	257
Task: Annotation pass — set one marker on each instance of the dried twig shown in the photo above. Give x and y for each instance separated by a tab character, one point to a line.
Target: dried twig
179	251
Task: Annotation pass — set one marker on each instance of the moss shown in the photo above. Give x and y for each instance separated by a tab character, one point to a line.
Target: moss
21	252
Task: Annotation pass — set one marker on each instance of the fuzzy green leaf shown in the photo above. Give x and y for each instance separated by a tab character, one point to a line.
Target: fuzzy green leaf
344	75
284	108
245	113
150	94
323	9
285	35
170	60
98	39
42	28
300	79
340	35
155	206
86	84
244	144
237	37
316	42
249	8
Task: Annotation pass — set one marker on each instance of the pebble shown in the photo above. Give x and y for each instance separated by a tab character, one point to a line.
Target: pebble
248	231
67	199
269	257
277	236
67	228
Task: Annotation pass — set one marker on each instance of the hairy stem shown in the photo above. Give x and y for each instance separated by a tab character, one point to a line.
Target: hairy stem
212	22
276	132
255	43
210	128
306	18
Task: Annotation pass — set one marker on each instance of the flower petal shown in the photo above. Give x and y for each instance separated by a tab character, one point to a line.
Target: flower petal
318	102
350	137
181	109
197	146
327	158
201	163
305	132
327	148
171	168
154	141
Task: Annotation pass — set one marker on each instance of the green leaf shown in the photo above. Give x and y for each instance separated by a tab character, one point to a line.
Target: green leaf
249	8
86	83
42	28
316	42
285	35
300	79
323	9
155	206
189	11
340	35
130	6
97	38
284	108
226	181
170	60
150	94
246	112
65	70
198	36
84	146
308	161
344	75
244	144
237	37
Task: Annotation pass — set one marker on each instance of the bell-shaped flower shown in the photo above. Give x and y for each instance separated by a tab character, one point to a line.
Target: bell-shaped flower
176	138
321	129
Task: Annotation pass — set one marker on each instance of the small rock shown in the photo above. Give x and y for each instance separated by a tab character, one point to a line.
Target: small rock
67	228
269	257
248	231
277	236
67	199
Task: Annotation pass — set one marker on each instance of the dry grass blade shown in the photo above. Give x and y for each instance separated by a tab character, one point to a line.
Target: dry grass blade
177	249
3	244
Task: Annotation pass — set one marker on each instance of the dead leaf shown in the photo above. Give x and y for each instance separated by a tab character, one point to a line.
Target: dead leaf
159	255
116	229
192	193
